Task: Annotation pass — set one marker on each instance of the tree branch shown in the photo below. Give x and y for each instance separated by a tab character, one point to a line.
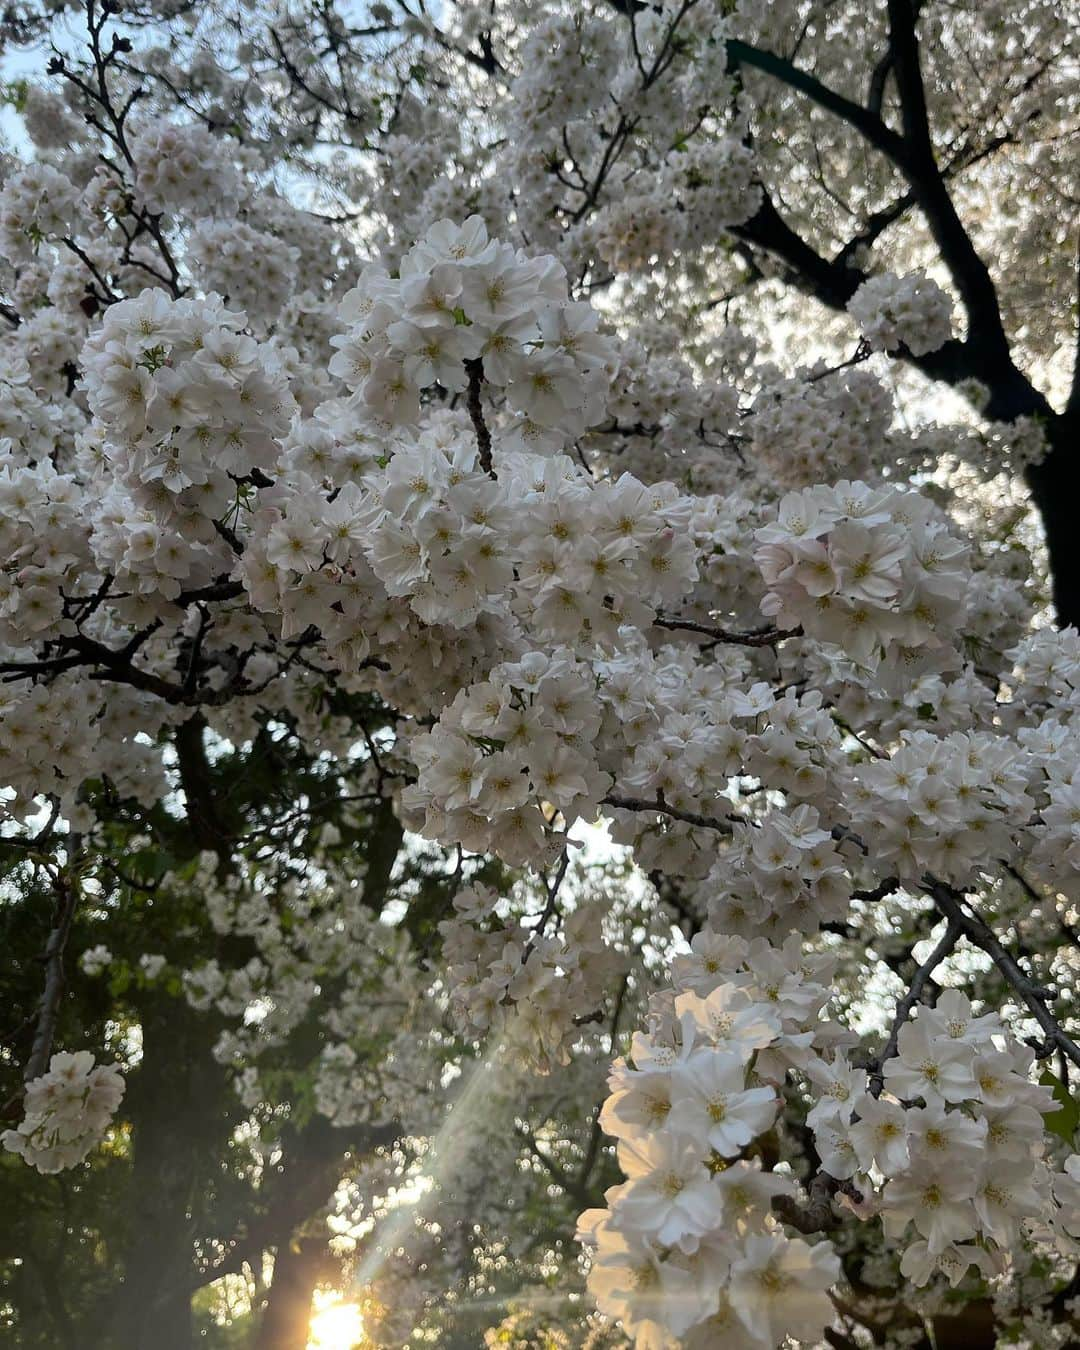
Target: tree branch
67	899
662	808
765	637
475	368
834	281
817	1214
864	120
966	267
944	948
1072	407
1035	997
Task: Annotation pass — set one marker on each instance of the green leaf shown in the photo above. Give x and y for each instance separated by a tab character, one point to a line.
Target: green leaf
119	980
1064	1121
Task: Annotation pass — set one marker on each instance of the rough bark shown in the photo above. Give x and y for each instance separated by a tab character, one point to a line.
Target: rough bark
1055	489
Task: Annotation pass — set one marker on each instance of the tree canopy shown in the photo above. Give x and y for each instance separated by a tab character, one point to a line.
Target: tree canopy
538	656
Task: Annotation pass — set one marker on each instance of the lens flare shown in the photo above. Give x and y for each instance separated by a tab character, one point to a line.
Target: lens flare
335	1325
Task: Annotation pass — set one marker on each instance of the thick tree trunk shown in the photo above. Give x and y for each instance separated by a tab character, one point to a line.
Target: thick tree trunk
1055	489
178	1126
973	1329
148	1312
298	1268
154	1324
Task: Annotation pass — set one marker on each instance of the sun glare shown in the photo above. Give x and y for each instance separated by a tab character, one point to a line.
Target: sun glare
335	1325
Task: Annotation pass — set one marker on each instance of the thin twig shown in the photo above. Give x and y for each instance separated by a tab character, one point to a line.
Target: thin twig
764	637
663	808
944	948
1035	997
475	369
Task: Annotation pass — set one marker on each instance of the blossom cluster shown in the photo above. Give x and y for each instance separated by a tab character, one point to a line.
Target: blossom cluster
502	749
574	559
943	804
909	311
254	268
49	738
508	975
785	875
813	431
954	1147
44	538
181	164
67	1111
36	203
872	570
690	1249
460	298
189	407
706	186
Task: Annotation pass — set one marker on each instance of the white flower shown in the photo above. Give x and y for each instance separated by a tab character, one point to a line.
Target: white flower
778	1287
1066	1184
151	965
730	1020
929	1066
710	1101
839	1085
669	1195
67	1112
880	1135
95	959
941	1138
919	1264
632	1281
939	1202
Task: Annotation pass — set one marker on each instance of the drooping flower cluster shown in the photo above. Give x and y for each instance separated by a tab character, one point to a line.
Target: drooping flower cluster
178	165
48	739
530	988
461	298
502	749
369	1029
36	203
786	875
189	408
95	960
955	1145
1045	689
705	186
805	432
44	540
67	1112
910	311
254	269
571	559
636	232
690	1245
714	185
872	570
943	804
